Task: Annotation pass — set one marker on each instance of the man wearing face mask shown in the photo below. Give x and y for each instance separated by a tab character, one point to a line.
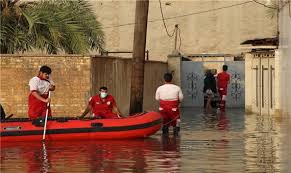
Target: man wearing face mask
102	105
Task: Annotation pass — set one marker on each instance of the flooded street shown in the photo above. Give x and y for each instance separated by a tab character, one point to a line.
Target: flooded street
235	142
230	142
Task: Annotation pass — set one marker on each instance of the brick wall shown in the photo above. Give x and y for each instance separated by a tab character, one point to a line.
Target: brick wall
76	79
70	74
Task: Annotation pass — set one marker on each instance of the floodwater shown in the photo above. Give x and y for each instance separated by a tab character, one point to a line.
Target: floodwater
229	142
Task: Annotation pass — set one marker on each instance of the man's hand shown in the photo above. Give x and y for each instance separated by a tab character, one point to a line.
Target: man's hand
52	87
80	117
121	116
47	100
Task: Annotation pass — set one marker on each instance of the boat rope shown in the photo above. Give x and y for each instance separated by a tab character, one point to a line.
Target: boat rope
174	119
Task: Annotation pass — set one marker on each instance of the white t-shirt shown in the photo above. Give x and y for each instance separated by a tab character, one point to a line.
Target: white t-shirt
169	92
39	85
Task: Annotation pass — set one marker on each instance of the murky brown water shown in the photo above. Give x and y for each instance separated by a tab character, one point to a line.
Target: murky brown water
231	142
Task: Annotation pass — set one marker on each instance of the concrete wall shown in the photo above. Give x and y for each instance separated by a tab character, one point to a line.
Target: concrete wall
115	73
285	58
76	79
174	67
218	31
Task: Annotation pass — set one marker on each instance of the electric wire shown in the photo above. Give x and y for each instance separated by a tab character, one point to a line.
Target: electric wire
180	39
264	5
165	26
184	15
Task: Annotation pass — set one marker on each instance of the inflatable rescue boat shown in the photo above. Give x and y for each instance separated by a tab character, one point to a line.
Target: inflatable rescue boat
69	128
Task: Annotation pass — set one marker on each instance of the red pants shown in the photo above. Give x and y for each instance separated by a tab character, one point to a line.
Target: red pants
222	93
170	112
37	108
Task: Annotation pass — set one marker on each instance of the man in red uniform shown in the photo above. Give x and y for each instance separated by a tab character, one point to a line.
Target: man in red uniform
223	79
102	105
38	97
169	96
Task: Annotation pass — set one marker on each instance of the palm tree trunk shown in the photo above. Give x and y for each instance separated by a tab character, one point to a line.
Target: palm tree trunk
3	50
138	60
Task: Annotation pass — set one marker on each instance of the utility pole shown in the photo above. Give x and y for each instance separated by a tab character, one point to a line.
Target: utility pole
138	59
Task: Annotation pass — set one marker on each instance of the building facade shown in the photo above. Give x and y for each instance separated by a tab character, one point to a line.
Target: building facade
204	26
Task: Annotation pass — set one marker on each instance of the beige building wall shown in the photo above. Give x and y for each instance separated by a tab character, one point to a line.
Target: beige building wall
76	78
218	31
285	58
249	92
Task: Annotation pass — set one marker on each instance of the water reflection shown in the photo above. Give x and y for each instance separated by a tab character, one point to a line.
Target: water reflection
171	154
234	142
217	120
222	142
223	121
262	143
142	155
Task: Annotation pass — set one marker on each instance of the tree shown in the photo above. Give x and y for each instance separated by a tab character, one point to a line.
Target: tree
51	26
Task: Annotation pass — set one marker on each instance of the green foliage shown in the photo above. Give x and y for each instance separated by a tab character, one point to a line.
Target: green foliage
51	26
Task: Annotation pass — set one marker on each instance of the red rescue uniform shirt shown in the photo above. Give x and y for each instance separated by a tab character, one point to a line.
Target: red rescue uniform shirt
222	81
38	108
103	107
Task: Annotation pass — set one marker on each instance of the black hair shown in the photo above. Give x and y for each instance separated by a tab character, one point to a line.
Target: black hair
103	88
208	73
224	67
168	77
45	69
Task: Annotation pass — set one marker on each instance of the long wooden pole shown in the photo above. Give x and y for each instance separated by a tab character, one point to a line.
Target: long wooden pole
138	59
46	115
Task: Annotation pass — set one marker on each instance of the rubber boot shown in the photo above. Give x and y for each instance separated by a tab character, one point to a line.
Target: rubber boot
222	105
165	130
176	131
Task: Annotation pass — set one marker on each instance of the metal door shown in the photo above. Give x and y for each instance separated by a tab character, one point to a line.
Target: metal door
192	83
256	85
267	85
263	84
272	85
236	88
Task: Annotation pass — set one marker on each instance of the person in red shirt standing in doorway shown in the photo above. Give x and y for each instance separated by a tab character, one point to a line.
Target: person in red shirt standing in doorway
223	79
169	96
39	90
102	105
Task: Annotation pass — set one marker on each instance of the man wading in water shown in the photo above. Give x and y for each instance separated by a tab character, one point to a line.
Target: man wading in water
169	96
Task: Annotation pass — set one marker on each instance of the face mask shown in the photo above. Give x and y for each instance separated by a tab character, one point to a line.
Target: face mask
103	95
